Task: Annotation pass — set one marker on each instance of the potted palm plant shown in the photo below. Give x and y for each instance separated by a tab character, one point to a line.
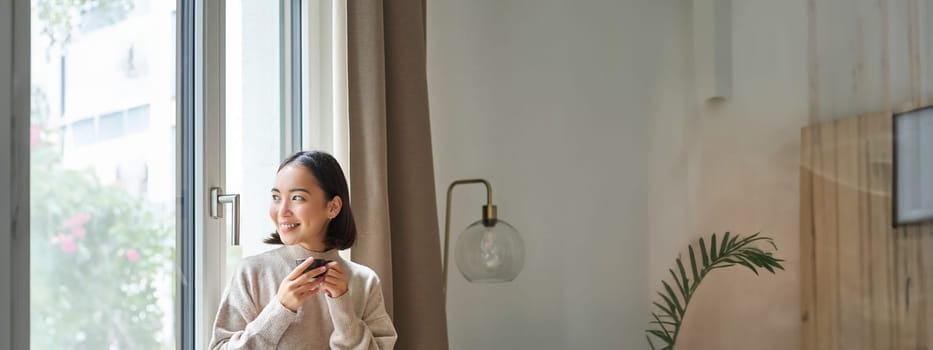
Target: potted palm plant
731	251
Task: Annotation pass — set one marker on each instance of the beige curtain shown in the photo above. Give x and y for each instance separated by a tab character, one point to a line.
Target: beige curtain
392	177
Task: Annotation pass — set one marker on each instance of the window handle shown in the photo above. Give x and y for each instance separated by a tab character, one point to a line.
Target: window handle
217	209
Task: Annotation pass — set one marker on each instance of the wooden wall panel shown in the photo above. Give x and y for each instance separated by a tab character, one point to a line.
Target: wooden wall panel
910	310
866	284
848	235
807	252
865	233
825	239
873	287
881	237
921	301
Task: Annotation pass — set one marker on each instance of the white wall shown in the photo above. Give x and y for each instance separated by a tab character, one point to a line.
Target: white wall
585	117
794	63
734	166
552	102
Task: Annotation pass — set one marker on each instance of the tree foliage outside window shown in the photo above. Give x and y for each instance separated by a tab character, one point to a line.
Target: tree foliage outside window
60	19
98	255
101	258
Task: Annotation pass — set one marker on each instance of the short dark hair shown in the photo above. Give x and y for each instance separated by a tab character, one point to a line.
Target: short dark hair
341	231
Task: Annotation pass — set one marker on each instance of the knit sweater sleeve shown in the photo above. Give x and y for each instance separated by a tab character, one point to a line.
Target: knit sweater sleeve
241	324
373	330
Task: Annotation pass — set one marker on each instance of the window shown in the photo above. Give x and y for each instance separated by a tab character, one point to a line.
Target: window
102	203
111	126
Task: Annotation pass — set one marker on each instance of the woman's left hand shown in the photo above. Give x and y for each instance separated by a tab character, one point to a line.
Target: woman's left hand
335	281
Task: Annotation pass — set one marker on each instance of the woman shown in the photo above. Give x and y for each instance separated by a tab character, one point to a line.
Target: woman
272	303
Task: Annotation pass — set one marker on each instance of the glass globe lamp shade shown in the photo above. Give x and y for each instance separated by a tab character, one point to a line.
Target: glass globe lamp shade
490	253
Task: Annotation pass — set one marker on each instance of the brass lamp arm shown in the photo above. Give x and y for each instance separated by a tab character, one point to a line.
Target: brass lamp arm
489	219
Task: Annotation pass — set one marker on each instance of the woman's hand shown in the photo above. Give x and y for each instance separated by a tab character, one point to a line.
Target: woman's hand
335	281
298	287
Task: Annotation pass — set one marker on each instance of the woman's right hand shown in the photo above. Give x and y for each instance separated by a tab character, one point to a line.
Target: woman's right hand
298	286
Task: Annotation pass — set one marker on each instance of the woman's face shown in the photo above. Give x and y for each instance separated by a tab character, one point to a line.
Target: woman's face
299	208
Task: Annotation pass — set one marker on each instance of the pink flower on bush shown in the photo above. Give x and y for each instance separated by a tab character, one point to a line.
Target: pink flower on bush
66	243
78	220
78	232
35	136
132	255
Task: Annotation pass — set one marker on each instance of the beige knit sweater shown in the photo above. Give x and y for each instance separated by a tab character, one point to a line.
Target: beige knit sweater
251	317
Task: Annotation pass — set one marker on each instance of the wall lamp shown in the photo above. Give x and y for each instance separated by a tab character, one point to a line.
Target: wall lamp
489	250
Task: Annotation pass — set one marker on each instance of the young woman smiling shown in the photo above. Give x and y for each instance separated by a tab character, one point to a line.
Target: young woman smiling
272	303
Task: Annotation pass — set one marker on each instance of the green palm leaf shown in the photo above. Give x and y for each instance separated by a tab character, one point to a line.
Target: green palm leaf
732	250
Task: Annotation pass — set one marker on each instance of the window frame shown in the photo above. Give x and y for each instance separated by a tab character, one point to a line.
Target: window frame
14	178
